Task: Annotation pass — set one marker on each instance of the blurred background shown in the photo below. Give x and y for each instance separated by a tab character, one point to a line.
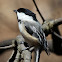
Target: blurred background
50	9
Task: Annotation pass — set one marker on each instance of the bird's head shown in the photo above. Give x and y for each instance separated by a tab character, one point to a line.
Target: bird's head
25	14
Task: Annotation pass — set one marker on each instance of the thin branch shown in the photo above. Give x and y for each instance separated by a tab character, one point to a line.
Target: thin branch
13	55
7	44
7	47
38	10
56	34
58	22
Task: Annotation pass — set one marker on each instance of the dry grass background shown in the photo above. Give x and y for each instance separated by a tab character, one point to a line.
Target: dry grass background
51	9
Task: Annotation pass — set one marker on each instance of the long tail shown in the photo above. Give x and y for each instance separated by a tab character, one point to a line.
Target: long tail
37	54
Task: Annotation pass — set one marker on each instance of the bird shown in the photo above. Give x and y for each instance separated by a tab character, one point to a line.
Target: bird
32	31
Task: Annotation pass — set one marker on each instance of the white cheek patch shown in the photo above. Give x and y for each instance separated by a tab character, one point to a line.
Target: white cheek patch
24	17
20	15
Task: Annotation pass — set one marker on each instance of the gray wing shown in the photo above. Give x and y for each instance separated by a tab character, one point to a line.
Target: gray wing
42	38
45	44
35	30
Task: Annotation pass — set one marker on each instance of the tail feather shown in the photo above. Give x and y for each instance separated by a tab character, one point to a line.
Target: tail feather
37	54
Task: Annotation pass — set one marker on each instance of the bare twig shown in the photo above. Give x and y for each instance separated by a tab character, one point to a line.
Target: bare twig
58	22
56	34
7	47
38	11
12	57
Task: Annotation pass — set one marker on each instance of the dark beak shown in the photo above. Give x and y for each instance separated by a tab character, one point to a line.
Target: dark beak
15	11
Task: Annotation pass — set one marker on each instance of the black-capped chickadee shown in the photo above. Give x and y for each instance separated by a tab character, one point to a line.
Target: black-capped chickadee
31	30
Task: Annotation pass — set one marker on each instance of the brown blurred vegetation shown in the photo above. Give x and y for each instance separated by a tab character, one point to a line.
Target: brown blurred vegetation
51	9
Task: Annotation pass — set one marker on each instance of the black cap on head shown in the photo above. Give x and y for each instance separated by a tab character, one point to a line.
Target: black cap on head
21	10
27	12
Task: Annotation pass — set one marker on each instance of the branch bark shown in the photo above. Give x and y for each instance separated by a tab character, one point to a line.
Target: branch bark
50	24
21	55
